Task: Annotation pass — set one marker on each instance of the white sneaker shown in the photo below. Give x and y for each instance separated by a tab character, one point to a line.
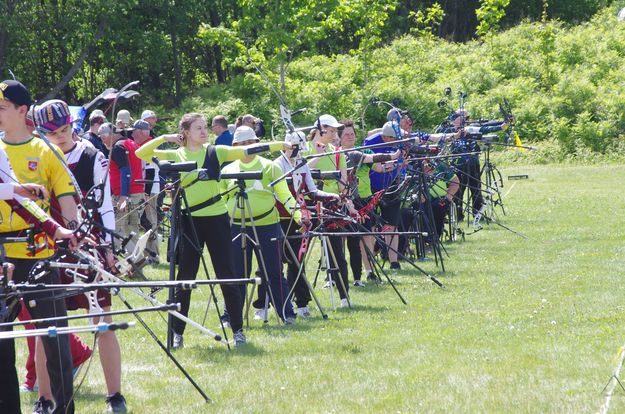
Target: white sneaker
344	303
178	341
303	312
260	315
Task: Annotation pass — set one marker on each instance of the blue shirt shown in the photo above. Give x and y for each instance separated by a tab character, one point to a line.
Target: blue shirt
380	181
225	138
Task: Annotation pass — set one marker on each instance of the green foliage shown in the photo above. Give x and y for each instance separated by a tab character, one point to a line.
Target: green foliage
562	84
489	15
427	22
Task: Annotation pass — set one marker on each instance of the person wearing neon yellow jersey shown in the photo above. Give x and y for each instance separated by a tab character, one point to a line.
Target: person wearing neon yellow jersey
326	132
262	223
206	212
34	162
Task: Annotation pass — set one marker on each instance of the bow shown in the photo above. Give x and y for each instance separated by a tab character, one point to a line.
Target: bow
363	212
306	218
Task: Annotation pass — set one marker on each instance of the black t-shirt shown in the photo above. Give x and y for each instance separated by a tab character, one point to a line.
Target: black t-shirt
97	142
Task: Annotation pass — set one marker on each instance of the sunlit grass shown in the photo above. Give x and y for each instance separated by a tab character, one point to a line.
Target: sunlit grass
523	325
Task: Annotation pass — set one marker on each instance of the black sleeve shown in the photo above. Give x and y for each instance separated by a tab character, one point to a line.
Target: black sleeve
119	155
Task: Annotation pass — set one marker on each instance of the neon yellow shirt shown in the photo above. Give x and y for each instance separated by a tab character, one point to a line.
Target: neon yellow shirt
262	198
33	162
329	163
197	192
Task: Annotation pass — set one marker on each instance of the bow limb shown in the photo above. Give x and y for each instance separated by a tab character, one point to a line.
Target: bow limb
306	219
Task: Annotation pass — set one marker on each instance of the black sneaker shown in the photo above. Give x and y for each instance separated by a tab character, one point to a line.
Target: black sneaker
395	266
371	277
43	406
116	403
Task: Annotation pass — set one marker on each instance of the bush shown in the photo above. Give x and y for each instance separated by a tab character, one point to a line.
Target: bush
565	84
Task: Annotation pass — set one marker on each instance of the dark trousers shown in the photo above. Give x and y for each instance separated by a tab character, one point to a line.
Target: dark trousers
214	233
58	356
338	264
271	252
298	284
353	242
440	207
9	390
355	256
469	176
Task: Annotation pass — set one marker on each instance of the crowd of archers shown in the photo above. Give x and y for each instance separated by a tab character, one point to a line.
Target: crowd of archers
79	189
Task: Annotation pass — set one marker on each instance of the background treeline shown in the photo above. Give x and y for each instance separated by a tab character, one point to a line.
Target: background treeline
560	67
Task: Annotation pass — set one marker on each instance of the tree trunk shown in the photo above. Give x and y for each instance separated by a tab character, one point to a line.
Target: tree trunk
282	78
219	70
460	21
177	74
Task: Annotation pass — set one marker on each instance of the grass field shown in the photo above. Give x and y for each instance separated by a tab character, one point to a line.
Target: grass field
523	325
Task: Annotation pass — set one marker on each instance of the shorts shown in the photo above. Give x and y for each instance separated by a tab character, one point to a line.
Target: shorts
390	211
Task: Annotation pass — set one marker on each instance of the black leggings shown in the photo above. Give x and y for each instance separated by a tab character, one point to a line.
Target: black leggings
469	176
335	245
214	232
299	286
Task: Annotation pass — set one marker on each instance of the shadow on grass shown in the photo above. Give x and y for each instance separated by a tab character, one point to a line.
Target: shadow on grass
247	350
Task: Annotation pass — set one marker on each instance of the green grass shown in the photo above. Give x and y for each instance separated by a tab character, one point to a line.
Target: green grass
523	325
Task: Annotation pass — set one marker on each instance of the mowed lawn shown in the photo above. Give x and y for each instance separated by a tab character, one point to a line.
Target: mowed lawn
523	325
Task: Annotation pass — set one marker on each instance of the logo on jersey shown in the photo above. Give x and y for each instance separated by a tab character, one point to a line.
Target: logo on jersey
32	165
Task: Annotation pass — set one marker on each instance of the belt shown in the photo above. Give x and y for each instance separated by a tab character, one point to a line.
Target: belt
204	204
255	218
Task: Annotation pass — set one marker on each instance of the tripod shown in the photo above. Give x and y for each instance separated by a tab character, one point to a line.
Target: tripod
263	238
422	215
293	261
329	260
493	182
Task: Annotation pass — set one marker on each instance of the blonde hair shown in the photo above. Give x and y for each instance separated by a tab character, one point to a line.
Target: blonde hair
185	124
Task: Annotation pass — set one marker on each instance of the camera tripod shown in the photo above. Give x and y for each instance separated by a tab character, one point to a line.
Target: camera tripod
274	288
493	182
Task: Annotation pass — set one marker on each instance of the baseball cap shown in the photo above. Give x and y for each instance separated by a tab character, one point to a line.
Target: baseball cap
459	113
148	114
96	114
295	137
389	131
243	133
124	116
52	115
14	91
328	120
141	124
395	114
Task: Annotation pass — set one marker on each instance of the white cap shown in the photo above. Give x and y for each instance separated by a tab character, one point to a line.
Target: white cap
244	133
388	130
148	114
295	138
96	113
124	116
328	120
